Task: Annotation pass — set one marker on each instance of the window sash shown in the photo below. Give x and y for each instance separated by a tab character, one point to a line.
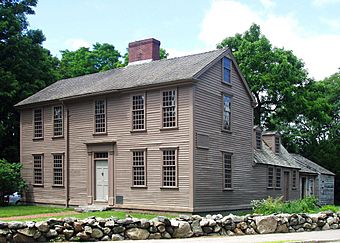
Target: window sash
57	121
294	179
277	145
226	70
169	108
100	116
38	123
138	112
227	170
270	177
38	173
58	169
258	140
278	178
169	168
226	120
139	168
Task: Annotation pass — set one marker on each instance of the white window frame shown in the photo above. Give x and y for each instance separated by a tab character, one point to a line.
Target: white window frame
38	169
278	177
135	167
163	110
54	119
224	110
270	177
163	150
227	186
98	114
35	124
135	111
58	170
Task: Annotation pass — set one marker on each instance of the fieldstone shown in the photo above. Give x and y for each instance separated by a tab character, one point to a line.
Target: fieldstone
164	220
166	235
157	223
153	229
3	225
242	225
3	239
196	228
321	223
174	223
300	230
204	222
27	231
117	237
59	228
282	228
293	222
155	236
250	231
231	226
4	231
217	217
196	217
97	233
137	234
19	238
9	237
309	220
83	236
144	224
170	230
42	226
301	220
68	233
106	230
207	229
226	220
314	217
161	228
59	238
307	226
334	226
236	219
51	233
105	238
230	233
217	228
211	223
330	220
16	225
183	230
69	220
37	235
53	222
88	229
77	227
110	223
185	217
266	224
326	227
238	231
314	225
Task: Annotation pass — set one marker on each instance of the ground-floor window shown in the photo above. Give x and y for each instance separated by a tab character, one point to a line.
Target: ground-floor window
38	172
58	172
139	168
169	168
227	170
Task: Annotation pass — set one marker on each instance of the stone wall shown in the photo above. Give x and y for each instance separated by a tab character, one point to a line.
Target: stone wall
98	229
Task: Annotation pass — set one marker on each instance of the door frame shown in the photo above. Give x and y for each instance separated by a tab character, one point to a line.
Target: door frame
93	148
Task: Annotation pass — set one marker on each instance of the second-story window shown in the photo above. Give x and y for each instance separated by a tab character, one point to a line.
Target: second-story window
38	123
138	112
169	109
277	144
226	70
278	178
258	139
57	121
226	112
100	116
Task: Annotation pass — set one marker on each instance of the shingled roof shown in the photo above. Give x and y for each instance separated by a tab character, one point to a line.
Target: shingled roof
139	75
307	164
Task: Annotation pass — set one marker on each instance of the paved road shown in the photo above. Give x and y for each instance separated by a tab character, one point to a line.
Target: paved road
316	236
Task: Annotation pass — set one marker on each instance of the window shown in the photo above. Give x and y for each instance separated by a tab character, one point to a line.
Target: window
58	175
294	179
226	112
58	121
277	144
227	170
38	123
38	169
169	109
278	178
100	116
170	168
258	140
270	177
226	70
138	168
138	112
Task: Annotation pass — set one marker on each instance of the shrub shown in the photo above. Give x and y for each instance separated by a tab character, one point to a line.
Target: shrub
277	205
10	180
332	208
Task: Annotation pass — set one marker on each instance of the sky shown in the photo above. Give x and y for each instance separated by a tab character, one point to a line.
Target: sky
310	28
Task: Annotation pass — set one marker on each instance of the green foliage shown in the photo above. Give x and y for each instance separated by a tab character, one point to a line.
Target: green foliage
25	68
83	61
10	179
332	208
277	205
273	74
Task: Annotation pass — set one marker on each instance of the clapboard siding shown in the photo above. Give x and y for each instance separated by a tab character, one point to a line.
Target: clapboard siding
46	146
81	123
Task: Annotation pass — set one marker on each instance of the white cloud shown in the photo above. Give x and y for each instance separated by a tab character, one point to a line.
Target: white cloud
320	52
320	3
179	53
267	3
74	44
332	23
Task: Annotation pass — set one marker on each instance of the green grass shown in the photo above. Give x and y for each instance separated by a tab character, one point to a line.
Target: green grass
12	211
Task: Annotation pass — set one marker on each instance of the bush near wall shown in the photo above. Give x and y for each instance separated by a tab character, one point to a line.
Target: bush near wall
98	229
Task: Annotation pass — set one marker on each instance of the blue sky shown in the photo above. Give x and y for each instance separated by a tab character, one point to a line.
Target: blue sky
310	28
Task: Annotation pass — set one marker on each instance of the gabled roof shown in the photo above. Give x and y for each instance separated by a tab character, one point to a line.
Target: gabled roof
309	165
268	157
132	76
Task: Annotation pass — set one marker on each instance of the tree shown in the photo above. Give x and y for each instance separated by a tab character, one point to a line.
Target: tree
10	180
83	61
25	68
273	74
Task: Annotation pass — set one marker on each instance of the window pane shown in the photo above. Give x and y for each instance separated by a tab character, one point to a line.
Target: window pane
278	178
226	112
277	145
138	168
38	169
258	140
226	69
226	62
227	170
169	168
100	116
38	123
226	75
169	108
270	176
58	121
138	117
58	169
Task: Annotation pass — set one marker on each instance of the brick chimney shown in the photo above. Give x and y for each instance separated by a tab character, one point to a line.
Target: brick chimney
144	51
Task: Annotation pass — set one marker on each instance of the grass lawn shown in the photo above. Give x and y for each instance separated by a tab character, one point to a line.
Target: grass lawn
12	211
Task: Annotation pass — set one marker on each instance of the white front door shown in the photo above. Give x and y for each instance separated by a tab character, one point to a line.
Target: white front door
102	180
